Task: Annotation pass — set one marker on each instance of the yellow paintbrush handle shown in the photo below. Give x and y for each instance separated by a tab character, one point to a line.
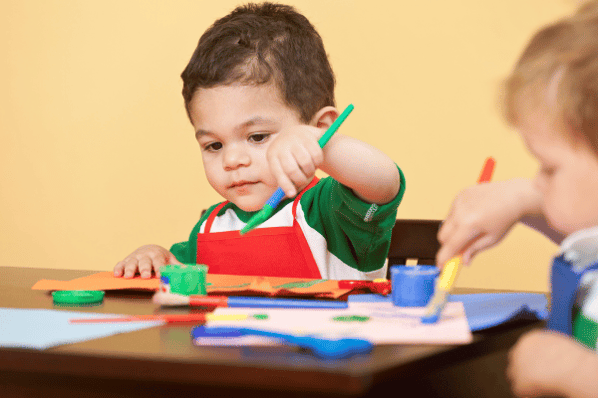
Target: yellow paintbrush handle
449	273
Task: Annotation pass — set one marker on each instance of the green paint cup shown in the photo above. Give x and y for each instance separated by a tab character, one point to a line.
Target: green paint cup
184	279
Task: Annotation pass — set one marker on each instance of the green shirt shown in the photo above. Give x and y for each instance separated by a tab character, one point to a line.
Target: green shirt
348	238
581	250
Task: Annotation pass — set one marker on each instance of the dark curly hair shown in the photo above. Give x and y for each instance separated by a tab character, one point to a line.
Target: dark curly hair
263	43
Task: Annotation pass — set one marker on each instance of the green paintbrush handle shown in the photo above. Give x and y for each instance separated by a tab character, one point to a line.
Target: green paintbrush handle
335	125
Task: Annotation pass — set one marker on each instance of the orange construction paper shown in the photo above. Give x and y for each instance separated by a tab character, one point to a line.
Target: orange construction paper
99	281
216	284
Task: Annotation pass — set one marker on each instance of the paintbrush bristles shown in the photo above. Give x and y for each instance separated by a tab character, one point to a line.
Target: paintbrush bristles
170	299
257	219
436	303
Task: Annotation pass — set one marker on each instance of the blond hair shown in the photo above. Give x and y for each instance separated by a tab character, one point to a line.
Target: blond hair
560	64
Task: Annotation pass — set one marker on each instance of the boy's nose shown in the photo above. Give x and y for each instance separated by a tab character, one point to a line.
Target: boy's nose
235	157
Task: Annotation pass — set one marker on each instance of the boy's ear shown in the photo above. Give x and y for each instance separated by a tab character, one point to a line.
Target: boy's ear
324	117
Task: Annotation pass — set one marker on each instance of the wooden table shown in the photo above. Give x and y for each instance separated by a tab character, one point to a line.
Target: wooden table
162	361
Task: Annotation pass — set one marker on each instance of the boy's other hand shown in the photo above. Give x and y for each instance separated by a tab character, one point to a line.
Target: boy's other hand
548	363
481	215
144	260
293	157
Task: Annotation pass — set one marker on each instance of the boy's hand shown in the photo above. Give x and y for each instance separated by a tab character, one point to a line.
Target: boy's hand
144	260
293	156
482	214
549	363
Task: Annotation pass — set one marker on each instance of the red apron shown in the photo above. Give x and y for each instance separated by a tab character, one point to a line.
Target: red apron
276	251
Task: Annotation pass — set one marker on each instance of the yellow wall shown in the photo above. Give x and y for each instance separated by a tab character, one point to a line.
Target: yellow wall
97	156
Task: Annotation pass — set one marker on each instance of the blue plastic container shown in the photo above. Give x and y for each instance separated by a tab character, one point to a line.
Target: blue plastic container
412	286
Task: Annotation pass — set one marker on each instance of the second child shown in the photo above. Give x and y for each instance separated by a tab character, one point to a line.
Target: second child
552	100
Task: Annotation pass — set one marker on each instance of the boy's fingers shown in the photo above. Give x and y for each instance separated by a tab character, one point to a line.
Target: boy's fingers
281	178
449	248
316	152
447	226
442	257
446	230
459	242
130	267
119	268
480	244
306	164
171	259
292	170
145	267
158	266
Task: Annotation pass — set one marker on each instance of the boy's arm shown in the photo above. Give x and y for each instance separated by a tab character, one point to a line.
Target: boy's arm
186	252
357	233
482	215
540	224
295	153
371	175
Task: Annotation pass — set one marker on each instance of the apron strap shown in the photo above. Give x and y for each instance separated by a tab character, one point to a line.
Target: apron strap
212	216
564	284
216	210
298	197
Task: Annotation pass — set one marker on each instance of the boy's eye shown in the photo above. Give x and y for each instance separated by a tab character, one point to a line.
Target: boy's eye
259	137
214	146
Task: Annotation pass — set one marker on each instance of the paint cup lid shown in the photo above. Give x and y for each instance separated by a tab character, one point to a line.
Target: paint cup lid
78	297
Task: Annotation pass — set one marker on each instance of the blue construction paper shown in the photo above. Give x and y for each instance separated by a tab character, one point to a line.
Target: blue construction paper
485	310
40	328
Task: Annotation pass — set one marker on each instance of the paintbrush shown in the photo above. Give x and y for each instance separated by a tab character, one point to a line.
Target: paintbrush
321	346
451	268
172	299
278	195
173	318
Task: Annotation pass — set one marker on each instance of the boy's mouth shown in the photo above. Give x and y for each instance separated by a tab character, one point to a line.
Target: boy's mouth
238	184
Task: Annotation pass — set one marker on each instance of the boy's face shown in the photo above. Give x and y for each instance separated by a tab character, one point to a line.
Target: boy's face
234	126
568	175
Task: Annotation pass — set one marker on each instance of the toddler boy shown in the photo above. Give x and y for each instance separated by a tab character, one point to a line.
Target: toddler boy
259	92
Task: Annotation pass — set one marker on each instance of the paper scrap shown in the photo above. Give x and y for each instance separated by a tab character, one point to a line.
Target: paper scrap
41	328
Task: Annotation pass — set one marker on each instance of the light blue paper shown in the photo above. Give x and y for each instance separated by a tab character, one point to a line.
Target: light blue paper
485	310
40	328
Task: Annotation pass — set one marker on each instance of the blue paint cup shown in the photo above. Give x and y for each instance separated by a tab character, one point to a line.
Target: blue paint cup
412	286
